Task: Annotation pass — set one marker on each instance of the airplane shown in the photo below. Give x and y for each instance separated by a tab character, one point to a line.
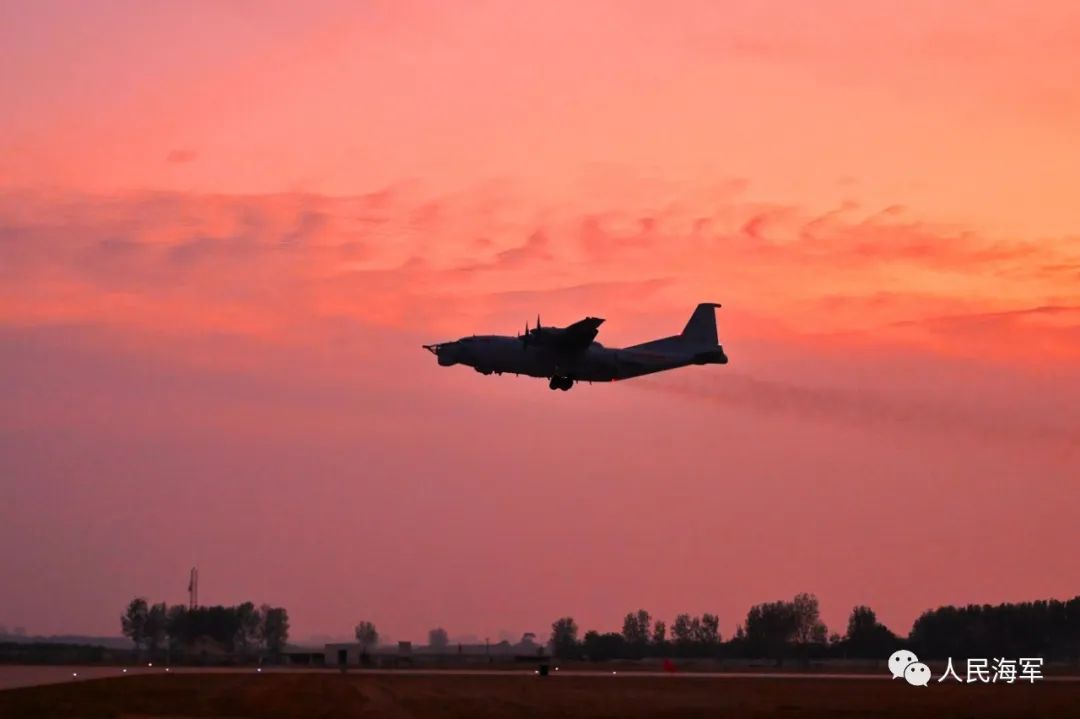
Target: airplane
570	354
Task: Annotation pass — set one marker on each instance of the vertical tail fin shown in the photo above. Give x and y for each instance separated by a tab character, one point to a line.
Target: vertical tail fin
701	329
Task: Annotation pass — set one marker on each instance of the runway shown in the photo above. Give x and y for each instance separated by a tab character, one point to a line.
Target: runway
14	676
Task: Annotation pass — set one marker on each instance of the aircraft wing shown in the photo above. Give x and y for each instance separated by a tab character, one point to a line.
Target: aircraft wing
580	335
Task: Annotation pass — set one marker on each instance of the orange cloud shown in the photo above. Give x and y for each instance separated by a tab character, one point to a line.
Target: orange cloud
268	263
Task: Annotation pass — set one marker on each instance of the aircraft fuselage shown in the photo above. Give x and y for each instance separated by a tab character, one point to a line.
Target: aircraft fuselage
596	363
571	355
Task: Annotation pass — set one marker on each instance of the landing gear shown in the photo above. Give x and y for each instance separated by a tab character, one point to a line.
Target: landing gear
563	383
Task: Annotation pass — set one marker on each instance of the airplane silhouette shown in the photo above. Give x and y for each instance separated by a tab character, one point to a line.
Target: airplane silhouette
571	354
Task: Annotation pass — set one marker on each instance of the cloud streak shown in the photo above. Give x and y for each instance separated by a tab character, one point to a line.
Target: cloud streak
390	255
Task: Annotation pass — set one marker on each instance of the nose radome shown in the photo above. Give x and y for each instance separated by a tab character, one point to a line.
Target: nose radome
446	356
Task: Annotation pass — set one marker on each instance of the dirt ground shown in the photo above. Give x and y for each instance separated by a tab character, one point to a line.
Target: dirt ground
497	695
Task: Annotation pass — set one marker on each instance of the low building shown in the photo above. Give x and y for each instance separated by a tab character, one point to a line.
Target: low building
344	654
350	654
304	657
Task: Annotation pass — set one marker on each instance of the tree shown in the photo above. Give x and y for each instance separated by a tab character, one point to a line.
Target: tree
810	629
564	638
866	637
861	622
438	638
176	626
636	628
685	632
770	627
659	633
708	632
1046	628
249	622
133	621
681	631
601	647
154	627
367	636
273	629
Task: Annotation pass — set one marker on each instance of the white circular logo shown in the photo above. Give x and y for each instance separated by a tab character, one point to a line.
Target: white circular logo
899	661
917	674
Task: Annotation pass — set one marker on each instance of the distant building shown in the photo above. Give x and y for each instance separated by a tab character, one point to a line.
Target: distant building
304	656
405	654
345	654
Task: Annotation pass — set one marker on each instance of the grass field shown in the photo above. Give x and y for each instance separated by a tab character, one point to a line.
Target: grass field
498	695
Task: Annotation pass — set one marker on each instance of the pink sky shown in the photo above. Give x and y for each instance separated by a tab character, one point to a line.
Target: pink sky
225	230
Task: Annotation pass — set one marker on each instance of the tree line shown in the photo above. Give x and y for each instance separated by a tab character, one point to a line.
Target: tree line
244	632
1045	628
793	630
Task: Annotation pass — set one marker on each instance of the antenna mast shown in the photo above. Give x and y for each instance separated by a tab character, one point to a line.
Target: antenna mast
193	589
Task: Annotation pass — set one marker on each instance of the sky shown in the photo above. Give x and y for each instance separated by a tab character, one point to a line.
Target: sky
227	228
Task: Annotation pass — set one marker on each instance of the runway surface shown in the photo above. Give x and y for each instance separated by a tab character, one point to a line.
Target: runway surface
24	676
14	676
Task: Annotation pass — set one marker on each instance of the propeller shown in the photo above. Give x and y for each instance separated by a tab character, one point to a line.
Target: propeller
528	332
